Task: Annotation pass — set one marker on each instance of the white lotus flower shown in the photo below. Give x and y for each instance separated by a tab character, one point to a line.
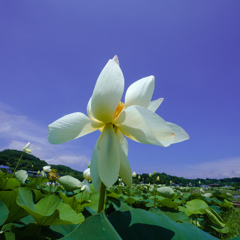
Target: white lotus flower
43	174
25	149
47	169
85	185
136	119
87	174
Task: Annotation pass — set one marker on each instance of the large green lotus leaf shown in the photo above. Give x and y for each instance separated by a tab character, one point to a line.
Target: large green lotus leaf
130	200
187	195
196	206
2	183
4	213
179	201
225	204
37	195
166	192
15	211
119	205
214	217
139	224
216	208
221	230
27	220
58	231
166	202
21	176
69	183
95	227
49	210
112	194
174	215
71	201
2	174
11	183
208	195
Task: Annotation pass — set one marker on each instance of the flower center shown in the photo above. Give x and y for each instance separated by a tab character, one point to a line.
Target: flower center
118	110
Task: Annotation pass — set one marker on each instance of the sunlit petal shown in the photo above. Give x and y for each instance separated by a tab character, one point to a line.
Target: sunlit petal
71	126
140	92
142	125
85	185
125	170
123	141
154	105
94	169
180	133
27	145
108	156
107	92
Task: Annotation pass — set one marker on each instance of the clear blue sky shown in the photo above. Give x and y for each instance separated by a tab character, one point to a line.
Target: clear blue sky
52	51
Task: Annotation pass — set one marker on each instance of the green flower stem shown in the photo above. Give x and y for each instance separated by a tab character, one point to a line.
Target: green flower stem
17	164
154	189
50	188
101	198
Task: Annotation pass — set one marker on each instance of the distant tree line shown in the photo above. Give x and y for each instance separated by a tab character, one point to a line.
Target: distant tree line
166	179
29	162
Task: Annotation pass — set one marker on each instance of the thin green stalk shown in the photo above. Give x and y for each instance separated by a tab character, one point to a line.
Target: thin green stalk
50	188
154	195
17	164
101	198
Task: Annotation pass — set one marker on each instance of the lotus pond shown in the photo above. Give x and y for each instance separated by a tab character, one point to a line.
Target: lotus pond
31	209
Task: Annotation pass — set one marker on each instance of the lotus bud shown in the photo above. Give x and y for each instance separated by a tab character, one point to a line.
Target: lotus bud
47	169
158	179
87	175
43	173
139	177
134	174
150	175
25	149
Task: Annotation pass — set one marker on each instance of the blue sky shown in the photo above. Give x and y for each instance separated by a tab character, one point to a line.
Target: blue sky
53	51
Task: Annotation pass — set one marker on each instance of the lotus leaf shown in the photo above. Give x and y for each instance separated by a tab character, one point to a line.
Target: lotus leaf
166	192
21	176
208	195
49	210
140	224
15	211
69	183
4	213
103	229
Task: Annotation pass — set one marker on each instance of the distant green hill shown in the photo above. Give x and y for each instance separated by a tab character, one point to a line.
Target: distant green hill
10	158
29	162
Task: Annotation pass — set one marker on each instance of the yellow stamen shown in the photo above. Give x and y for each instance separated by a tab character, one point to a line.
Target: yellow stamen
118	110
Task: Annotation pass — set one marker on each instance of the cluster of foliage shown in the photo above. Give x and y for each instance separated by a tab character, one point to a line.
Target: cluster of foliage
29	162
32	209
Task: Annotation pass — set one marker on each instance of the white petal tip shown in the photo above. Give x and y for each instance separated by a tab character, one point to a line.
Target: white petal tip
115	59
